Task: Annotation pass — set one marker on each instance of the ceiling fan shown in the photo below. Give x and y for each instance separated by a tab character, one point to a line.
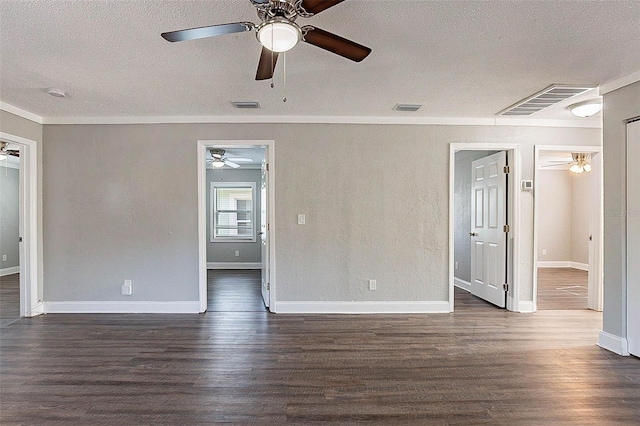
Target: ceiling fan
580	162
218	159
5	151
278	32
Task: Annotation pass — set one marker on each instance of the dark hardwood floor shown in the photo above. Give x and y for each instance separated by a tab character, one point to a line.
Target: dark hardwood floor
241	365
9	299
234	291
562	288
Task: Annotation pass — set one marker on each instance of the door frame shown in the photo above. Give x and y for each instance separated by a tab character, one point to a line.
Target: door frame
202	146
595	290
514	160
30	303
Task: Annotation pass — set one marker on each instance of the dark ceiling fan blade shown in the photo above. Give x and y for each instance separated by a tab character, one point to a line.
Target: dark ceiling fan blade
317	6
259	2
267	64
335	44
210	31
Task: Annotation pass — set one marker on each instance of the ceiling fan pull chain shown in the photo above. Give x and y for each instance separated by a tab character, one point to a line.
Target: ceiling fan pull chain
272	67
284	76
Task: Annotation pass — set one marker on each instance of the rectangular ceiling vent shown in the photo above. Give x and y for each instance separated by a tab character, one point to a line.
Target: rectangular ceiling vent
544	98
246	104
407	107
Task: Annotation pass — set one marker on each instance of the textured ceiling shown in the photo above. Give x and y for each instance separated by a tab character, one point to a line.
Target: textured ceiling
458	58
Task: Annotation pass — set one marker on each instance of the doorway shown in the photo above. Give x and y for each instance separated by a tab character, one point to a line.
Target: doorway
482	262
236	206
27	279
567	228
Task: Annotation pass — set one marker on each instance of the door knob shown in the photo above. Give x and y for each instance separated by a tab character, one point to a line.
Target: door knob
473	234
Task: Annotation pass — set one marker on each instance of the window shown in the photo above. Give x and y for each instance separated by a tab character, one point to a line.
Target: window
232	211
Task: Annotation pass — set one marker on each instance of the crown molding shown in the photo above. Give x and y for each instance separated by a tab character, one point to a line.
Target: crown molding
20	112
620	82
443	121
274	119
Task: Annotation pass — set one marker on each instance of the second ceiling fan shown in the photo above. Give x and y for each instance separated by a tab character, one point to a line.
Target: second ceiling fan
278	32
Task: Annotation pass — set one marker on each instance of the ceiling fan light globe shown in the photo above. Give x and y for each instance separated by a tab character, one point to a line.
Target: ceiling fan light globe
587	168
217	163
576	168
279	36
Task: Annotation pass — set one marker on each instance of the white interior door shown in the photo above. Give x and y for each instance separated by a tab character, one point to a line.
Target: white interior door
264	233
633	238
488	238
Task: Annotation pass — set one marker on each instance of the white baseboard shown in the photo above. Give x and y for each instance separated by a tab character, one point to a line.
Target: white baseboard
121	307
284	307
525	307
9	271
465	285
234	265
613	343
562	264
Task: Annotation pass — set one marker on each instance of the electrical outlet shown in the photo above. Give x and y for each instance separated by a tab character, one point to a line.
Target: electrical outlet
4	257
544	252
372	285
237	253
126	289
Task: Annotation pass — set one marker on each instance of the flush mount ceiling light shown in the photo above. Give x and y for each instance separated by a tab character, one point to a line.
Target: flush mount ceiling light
586	108
56	93
279	34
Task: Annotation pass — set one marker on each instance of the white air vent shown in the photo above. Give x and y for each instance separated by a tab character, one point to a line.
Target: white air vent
407	107
246	104
546	97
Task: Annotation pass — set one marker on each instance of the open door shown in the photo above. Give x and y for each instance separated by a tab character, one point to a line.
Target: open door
489	228
264	232
633	238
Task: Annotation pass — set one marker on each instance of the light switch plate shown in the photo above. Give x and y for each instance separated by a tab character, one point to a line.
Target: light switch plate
301	219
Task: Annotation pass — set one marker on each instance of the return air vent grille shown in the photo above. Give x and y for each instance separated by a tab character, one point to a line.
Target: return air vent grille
246	104
407	107
545	98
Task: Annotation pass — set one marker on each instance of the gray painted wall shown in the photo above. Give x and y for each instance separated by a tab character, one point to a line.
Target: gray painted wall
581	209
369	216
462	203
553	188
9	219
619	106
225	251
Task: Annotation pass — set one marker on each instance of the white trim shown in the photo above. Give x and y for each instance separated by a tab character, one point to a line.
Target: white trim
20	112
31	247
234	265
449	121
366	307
201	147
36	310
620	82
613	343
9	271
595	298
526	307
121	307
553	264
514	156
464	285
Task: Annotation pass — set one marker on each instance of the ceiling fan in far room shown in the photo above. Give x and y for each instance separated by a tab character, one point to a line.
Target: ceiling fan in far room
217	159
580	162
278	32
5	151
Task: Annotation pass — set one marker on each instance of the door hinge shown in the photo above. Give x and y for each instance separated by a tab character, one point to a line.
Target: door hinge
505	169
19	239
506	228
267	166
267	226
505	286
268	286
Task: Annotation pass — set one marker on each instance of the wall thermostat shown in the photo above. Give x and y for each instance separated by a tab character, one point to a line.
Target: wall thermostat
526	185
